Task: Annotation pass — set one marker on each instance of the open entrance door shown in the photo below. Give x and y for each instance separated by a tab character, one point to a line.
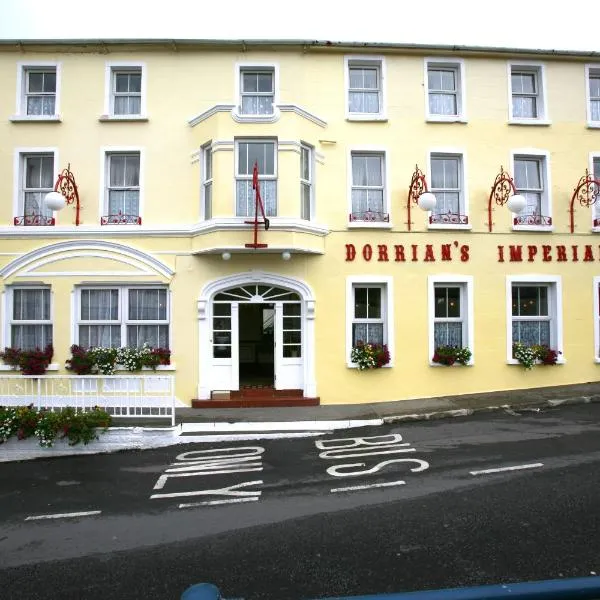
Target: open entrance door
256	335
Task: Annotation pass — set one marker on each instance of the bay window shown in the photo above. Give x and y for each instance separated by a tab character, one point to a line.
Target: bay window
263	153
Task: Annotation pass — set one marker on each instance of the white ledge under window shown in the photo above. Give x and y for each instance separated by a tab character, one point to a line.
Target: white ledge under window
466	227
370	225
35	119
560	361
120	369
593	124
352	365
126	118
539	228
51	367
239	117
434	364
445	119
542	122
367	117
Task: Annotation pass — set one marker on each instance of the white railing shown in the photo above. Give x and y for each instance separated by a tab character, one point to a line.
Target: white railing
148	396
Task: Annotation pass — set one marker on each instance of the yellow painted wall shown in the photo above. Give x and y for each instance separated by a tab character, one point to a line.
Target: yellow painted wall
182	83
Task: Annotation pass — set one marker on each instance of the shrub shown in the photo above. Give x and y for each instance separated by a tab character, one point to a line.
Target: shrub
448	355
82	361
31	362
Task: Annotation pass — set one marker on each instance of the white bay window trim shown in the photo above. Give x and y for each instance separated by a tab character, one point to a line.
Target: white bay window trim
458	68
236	112
23	68
465	283
546	195
370	62
105	153
592	100
555	311
538	70
386	283
386	162
596	296
206	192
452	152
111	68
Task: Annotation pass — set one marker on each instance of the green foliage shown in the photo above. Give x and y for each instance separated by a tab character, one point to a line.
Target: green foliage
528	356
448	355
76	426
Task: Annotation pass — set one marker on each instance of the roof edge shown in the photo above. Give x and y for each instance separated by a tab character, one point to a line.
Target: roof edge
175	43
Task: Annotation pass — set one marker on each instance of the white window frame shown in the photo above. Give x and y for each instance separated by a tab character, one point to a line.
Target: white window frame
110	69
9	311
21	104
458	66
368	61
544	155
595	292
465	283
591	70
237	109
261	176
19	171
385	154
207	154
555	309
539	70
594	208
123	300
105	152
459	153
388	298
310	182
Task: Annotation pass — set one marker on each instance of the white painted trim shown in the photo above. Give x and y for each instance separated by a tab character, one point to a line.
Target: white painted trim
596	317
204	307
459	65
4	319
361	59
556	308
464	185
594	67
466	282
236	113
594	208
73	249
105	151
292	225
542	104
369	149
109	68
281	108
547	196
21	113
18	156
387	282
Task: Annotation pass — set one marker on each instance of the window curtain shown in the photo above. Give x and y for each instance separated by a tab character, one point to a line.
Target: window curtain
369	333
245	199
364	90
41	90
100	305
31	305
442	92
445	177
128	89
448	334
39	175
124	173
367	172
531	332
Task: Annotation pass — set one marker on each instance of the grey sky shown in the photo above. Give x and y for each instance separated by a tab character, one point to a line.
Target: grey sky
510	23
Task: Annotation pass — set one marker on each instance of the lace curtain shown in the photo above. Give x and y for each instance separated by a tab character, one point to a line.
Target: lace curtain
124	193
367	184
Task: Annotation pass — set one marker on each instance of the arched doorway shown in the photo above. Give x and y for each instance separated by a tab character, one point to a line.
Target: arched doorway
256	330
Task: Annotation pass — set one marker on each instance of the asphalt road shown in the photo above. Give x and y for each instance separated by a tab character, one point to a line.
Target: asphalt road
408	507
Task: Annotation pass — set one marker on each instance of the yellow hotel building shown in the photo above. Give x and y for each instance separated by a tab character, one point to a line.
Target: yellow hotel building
162	137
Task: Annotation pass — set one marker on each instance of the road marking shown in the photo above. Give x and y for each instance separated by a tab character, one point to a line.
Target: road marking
501	469
213	502
352	488
64	515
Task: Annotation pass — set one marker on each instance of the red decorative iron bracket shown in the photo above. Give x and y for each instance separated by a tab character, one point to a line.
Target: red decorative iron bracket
65	185
418	186
587	192
502	189
258	204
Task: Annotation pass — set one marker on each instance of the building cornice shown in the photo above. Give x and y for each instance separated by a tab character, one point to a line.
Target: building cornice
107	45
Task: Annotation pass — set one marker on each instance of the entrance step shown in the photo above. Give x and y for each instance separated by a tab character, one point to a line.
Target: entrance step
267	391
259	401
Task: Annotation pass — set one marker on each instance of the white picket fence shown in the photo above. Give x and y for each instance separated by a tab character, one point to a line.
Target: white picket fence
129	396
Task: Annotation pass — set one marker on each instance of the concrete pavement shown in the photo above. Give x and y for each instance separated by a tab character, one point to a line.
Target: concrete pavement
205	425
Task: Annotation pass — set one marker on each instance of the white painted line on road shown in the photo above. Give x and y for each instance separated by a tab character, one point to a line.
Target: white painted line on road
64	515
353	488
213	502
245	426
501	469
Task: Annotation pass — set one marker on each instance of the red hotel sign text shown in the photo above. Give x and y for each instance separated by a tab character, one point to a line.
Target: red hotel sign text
449	252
